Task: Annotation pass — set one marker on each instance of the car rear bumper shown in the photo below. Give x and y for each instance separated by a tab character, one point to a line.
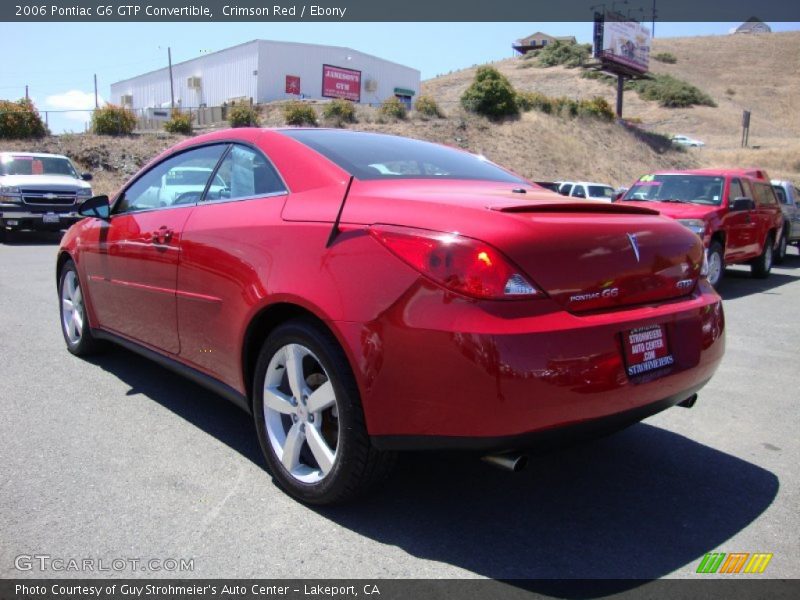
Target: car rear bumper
513	379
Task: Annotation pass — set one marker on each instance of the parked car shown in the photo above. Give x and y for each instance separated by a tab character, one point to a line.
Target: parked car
564	187
586	190
683	140
40	191
354	312
789	199
734	211
549	185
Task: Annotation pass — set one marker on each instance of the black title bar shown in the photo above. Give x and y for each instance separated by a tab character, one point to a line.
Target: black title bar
392	10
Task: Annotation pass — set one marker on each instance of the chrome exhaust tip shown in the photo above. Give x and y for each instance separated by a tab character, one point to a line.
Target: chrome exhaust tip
689	402
508	462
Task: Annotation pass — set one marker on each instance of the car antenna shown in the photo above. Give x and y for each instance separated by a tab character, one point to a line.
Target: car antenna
335	229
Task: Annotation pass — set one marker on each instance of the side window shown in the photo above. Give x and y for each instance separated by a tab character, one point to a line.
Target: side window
565	189
764	195
735	190
176	181
244	173
578	192
781	194
747	189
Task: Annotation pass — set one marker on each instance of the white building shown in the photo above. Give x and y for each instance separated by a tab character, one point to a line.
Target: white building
263	70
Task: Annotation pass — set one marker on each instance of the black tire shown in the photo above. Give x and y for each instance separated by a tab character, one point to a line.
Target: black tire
82	344
715	252
356	465
783	243
762	265
3	233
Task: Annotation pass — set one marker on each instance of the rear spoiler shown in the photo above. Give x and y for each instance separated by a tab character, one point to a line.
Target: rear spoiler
576	207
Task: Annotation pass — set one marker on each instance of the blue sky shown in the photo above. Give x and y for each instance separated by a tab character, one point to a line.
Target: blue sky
57	60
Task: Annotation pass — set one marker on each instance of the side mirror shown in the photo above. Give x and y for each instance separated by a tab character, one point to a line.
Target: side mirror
87	176
96	206
740	204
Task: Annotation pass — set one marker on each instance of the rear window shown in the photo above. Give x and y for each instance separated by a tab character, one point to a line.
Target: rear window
375	156
601	191
764	194
781	194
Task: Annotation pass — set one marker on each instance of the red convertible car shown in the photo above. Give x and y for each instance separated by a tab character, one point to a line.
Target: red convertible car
361	294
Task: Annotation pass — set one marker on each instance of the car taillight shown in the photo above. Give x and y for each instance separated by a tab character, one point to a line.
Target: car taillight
461	264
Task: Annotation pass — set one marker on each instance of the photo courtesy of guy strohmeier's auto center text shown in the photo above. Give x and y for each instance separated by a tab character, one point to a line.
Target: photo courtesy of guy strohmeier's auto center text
367	299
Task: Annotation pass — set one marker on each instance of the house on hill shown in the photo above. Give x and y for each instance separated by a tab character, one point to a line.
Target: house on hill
752	25
539	40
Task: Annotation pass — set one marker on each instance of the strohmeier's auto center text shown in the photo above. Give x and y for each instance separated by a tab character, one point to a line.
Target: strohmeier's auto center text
145	590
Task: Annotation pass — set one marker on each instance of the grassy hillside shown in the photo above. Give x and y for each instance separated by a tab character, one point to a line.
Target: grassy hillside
756	72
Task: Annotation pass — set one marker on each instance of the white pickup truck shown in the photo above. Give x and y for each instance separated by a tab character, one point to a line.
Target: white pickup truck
40	192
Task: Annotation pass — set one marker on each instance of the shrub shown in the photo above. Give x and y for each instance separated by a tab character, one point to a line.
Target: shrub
730	92
243	115
426	105
565	107
490	94
597	108
299	113
392	108
563	53
113	120
340	111
20	120
665	57
534	101
179	122
671	92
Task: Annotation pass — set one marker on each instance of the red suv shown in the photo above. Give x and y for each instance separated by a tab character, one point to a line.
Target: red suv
360	294
734	211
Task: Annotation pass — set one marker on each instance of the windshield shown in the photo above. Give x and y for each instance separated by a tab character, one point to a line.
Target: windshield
36	165
601	191
375	156
695	189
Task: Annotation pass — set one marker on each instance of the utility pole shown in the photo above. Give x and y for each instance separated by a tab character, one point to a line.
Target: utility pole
26	93
653	32
171	85
96	103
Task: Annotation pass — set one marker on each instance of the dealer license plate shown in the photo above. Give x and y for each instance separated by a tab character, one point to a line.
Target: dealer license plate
50	218
646	349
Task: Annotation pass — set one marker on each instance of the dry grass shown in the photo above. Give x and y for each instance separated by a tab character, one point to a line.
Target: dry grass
762	70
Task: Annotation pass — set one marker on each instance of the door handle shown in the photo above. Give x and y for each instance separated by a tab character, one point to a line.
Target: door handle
162	235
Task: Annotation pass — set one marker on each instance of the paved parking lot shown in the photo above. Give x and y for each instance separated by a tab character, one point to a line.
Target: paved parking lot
119	458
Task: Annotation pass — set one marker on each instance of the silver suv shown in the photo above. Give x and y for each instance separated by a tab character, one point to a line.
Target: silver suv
789	198
40	191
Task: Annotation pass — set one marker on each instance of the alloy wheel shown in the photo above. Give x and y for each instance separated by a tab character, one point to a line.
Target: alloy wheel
714	268
72	313
301	413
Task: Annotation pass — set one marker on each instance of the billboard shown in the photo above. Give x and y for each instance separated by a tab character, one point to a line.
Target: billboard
624	42
338	82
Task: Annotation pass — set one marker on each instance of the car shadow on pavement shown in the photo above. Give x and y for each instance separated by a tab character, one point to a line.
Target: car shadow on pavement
738	282
637	505
33	238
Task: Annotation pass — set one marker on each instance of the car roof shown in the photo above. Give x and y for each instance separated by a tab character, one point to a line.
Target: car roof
593	183
752	173
32	154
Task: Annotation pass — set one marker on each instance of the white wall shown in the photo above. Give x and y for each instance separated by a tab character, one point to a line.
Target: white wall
229	73
225	74
278	59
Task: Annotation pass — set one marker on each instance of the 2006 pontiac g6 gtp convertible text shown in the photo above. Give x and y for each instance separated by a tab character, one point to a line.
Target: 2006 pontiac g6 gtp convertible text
361	294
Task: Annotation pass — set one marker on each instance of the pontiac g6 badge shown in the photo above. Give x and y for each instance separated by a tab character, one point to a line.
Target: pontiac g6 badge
634	245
